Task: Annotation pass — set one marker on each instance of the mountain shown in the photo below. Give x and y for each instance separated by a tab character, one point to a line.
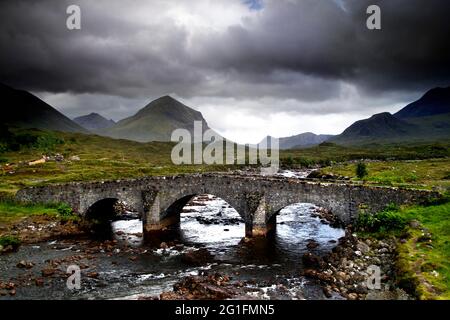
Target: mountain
94	122
425	120
434	102
156	121
379	126
22	109
302	140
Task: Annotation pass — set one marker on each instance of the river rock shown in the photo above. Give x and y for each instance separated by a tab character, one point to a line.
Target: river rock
312	245
163	245
179	247
212	287
39	282
352	296
196	257
92	275
311	260
414	224
25	264
48	272
361	246
342	276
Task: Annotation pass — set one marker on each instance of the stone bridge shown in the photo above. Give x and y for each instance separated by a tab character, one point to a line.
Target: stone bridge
257	199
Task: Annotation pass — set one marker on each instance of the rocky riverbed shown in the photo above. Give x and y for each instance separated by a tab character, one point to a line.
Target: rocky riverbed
349	268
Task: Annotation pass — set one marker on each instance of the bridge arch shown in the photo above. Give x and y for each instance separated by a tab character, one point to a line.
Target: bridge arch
91	200
176	207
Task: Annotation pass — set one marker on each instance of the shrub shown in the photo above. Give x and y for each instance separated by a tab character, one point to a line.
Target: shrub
305	162
325	162
10	241
381	222
48	142
289	161
361	170
64	210
3	147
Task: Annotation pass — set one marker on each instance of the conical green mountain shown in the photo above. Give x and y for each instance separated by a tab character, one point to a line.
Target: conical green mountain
156	121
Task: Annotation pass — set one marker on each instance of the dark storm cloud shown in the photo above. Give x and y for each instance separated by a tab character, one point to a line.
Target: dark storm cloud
318	38
109	54
300	50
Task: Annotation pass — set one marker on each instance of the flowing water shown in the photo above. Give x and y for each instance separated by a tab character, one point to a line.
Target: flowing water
270	266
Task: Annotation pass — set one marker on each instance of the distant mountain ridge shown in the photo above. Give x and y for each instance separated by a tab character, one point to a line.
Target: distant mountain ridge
156	121
298	141
22	109
94	122
427	119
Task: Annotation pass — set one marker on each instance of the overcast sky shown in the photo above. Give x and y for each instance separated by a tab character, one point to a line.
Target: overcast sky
252	67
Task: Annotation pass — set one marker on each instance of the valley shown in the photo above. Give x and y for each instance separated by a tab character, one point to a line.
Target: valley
208	254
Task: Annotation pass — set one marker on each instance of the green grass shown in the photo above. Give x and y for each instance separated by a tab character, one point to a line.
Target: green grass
389	221
328	153
426	258
9	241
423	265
420	174
12	211
101	158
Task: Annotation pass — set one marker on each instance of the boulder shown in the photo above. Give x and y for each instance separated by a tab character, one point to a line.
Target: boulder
196	257
311	260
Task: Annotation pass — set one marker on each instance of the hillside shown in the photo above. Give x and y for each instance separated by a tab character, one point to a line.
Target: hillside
425	120
24	110
94	122
434	102
382	126
156	121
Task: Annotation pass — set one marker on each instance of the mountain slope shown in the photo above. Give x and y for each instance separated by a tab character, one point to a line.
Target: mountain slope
94	122
22	109
302	140
427	119
434	102
156	121
382	126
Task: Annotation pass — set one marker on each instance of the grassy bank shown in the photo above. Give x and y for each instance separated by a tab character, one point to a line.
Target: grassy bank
425	255
86	158
423	234
326	153
421	174
92	157
12	211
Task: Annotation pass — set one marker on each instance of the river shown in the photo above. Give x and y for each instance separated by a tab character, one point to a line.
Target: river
270	268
